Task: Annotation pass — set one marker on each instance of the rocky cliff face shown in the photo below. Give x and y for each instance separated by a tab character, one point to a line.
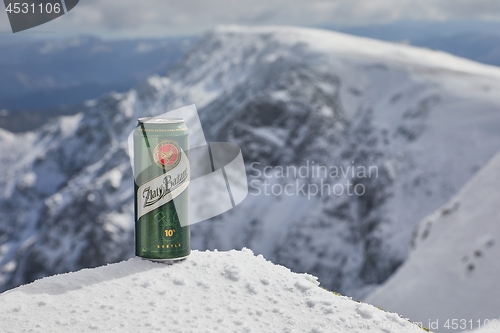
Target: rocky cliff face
424	121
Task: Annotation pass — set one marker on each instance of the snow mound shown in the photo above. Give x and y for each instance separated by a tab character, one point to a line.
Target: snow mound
208	292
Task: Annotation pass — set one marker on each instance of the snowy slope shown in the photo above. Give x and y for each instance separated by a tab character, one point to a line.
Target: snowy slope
209	292
453	270
286	96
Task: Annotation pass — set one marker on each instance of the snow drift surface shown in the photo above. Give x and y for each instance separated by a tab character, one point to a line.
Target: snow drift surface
209	292
454	270
287	96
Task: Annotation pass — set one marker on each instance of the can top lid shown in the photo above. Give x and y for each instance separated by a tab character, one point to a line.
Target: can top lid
152	120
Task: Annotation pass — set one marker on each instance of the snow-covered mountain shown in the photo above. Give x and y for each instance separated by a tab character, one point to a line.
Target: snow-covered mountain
209	292
453	270
287	96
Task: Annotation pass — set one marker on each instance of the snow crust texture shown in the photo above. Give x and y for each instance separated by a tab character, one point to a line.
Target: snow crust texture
209	292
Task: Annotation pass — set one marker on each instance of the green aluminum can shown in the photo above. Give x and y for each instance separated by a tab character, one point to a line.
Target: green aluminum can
161	189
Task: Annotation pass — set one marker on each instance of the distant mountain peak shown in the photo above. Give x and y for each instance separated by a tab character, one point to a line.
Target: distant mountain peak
349	45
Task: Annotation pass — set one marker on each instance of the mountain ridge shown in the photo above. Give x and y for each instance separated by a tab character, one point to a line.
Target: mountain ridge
349	44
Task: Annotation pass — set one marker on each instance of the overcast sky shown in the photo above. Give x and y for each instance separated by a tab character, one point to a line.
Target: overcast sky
132	18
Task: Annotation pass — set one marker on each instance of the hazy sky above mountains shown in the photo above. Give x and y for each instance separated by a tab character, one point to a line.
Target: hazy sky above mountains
130	18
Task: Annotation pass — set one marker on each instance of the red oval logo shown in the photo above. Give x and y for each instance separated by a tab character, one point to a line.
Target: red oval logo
167	154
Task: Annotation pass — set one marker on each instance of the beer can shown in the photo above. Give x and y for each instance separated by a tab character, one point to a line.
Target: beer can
161	168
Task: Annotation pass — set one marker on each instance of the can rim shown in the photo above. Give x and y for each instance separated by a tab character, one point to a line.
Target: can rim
143	119
154	120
